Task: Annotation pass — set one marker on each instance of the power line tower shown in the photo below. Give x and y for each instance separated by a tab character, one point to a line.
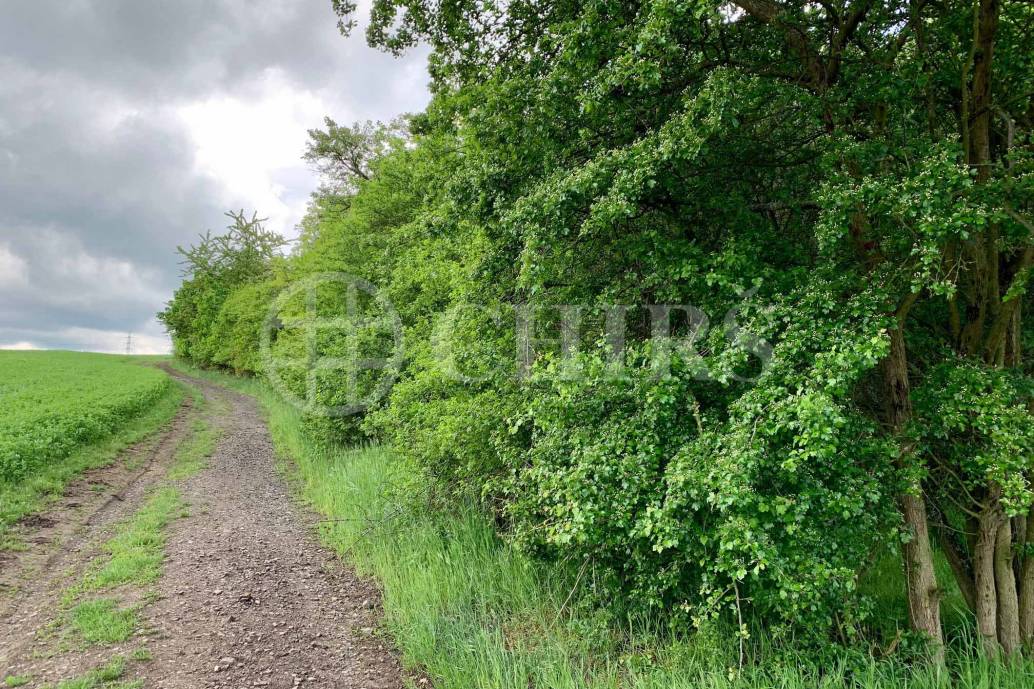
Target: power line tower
129	344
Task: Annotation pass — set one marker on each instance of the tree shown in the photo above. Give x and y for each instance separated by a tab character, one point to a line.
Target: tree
344	154
849	183
867	164
212	270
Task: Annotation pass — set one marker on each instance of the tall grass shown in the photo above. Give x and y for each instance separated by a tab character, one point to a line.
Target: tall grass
474	613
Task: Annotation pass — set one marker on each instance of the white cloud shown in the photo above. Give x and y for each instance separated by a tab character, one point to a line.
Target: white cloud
24	346
246	143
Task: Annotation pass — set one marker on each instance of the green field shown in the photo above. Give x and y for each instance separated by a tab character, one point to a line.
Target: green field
62	413
53	402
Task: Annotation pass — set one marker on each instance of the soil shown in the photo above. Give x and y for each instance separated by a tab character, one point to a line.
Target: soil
248	597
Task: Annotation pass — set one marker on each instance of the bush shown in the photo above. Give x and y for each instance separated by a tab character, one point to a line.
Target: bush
237	331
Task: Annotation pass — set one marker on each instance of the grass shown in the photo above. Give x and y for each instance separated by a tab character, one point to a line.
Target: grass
192	456
138	549
141	655
135	556
102	621
474	613
48	481
108	676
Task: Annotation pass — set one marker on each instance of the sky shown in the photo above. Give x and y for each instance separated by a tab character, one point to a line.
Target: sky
128	127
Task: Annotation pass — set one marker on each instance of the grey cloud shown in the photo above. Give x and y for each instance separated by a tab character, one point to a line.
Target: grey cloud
159	47
98	182
171	49
124	186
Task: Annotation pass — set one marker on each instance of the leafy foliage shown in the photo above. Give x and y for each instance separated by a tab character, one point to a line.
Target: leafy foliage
344	155
213	269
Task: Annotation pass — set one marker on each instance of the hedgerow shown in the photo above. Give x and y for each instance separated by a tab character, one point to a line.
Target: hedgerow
836	199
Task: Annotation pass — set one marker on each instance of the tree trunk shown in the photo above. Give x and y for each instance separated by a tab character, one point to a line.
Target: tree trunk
924	604
1027	588
959	567
1013	343
984	579
924	598
981	107
978	293
976	128
1005	584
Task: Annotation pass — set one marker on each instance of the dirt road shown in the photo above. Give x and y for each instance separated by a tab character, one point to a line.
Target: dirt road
247	596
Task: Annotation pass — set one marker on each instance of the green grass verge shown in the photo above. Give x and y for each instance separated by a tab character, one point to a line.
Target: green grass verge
33	493
138	549
16	680
101	621
135	556
192	456
475	613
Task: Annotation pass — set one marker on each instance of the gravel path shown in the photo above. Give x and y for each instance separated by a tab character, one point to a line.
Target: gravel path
249	598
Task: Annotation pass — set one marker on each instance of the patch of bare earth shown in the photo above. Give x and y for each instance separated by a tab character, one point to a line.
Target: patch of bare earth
248	597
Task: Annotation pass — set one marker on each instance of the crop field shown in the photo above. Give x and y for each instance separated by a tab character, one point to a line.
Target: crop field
54	402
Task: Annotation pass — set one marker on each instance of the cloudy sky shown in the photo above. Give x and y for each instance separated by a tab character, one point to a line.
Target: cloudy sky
128	126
